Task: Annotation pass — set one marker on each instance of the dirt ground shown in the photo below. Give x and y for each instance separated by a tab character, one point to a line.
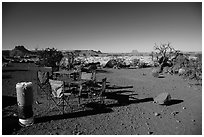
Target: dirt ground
127	111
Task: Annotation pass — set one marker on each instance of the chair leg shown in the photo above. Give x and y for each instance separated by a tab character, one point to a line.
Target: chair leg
79	96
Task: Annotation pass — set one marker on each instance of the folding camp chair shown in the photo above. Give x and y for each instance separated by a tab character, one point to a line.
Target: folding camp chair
54	91
58	94
97	92
42	82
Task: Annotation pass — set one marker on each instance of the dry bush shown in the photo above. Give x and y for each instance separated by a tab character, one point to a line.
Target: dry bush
193	69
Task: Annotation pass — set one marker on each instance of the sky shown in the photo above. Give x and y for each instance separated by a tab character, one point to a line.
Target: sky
108	27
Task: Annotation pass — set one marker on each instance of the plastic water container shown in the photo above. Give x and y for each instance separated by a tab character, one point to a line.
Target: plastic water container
24	92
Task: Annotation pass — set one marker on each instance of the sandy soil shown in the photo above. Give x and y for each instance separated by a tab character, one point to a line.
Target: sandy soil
128	111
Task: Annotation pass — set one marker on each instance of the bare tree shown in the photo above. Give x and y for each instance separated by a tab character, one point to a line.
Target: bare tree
167	54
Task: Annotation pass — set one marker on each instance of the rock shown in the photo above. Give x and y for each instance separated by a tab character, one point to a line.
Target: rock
156	114
174	113
147	124
162	98
155	72
184	107
178	121
15	115
181	71
150	132
37	102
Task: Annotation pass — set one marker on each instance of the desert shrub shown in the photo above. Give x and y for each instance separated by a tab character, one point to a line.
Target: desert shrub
50	57
199	56
193	69
135	62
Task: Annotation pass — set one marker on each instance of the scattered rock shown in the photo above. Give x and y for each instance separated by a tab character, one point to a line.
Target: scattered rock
155	72
156	114
181	71
37	102
174	113
79	133
162	98
178	121
147	124
150	132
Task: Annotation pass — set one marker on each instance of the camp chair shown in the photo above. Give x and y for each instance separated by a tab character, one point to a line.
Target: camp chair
97	92
58	94
42	82
54	90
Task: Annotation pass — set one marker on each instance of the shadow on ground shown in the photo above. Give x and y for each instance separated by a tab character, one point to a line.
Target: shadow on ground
173	102
8	101
118	87
94	111
102	71
123	100
6	76
13	70
10	125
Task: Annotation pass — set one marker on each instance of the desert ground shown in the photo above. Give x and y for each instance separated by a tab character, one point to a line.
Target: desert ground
127	111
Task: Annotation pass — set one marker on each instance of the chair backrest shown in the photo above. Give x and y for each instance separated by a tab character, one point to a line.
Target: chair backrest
57	87
86	76
42	77
103	87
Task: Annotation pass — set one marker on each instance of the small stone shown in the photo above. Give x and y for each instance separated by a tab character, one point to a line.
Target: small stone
156	114
78	133
178	121
193	120
174	113
15	115
184	107
37	102
147	124
150	132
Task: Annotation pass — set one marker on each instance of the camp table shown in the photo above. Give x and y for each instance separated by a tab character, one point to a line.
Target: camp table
67	73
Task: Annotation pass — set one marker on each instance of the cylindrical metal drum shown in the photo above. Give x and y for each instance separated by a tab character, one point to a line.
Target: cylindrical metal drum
24	92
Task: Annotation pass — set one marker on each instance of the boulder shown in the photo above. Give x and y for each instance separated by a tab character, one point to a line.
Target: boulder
155	72
181	71
162	98
111	63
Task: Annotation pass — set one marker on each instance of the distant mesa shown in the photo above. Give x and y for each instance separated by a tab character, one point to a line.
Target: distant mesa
84	52
20	51
135	51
